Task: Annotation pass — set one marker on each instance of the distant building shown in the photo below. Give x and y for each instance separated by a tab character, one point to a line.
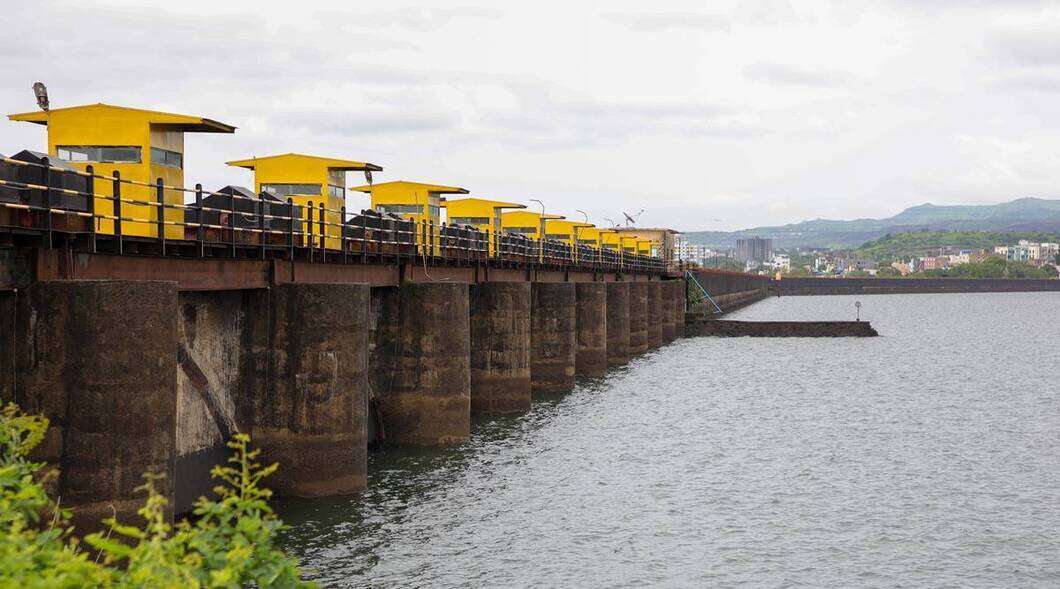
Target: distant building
754	249
781	262
660	240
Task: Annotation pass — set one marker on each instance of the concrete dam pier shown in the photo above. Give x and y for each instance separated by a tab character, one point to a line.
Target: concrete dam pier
146	376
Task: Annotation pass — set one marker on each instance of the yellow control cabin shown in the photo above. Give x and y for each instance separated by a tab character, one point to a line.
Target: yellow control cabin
141	145
308	181
591	236
481	213
662	240
528	223
610	240
484	214
564	230
418	201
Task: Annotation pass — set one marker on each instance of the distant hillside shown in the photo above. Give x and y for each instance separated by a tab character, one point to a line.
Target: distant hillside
1025	214
903	246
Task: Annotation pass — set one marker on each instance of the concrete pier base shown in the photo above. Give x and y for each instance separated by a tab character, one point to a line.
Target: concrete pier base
638	318
99	360
421	363
552	337
667	303
308	411
679	312
500	347
591	323
655	314
617	323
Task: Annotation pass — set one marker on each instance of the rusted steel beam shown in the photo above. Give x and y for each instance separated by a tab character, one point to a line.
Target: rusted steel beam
198	274
189	274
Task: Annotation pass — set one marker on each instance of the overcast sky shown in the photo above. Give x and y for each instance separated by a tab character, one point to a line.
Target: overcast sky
709	115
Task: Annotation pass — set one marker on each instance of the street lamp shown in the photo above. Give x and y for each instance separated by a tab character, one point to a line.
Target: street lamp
574	230
540	232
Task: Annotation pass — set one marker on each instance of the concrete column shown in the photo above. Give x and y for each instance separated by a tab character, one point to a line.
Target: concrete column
422	364
552	337
500	347
668	304
655	314
638	318
99	359
679	313
308	410
617	323
591	322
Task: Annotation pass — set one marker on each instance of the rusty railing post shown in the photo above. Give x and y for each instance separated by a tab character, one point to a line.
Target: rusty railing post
200	219
48	201
116	191
261	222
309	231
90	201
290	227
232	223
160	198
323	234
342	233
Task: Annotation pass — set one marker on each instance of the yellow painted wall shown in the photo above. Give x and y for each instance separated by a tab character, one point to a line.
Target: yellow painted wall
102	125
402	193
470	211
301	169
522	220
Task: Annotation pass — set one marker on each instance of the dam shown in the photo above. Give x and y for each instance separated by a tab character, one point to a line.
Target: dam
148	321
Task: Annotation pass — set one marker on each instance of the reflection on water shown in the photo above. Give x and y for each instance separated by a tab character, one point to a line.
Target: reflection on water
927	456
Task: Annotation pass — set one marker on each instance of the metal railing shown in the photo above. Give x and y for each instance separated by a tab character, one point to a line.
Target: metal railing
59	202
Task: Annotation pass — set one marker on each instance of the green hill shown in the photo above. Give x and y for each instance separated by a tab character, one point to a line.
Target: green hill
903	246
1021	215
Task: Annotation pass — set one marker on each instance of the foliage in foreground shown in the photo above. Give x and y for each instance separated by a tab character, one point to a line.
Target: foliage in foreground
231	543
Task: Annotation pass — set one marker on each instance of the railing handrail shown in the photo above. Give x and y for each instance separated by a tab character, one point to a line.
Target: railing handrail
329	231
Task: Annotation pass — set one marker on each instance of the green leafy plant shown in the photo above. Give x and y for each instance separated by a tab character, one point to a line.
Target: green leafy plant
230	544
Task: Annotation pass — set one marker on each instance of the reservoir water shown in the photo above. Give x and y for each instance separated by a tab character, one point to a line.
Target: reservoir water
929	456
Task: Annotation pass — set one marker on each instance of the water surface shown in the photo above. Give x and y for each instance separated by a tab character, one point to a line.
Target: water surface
926	457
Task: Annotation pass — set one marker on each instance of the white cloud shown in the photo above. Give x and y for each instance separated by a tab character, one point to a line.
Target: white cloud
748	112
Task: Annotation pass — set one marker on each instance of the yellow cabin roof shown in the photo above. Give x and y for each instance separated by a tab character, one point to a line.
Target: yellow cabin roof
399	184
185	123
549	222
329	162
482	203
528	215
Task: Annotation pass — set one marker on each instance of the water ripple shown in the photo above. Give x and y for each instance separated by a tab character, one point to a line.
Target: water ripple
927	456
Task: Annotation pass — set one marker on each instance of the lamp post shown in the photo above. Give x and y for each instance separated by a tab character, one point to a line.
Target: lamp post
540	232
575	245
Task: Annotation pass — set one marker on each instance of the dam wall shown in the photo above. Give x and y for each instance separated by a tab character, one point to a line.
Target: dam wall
144	376
807	286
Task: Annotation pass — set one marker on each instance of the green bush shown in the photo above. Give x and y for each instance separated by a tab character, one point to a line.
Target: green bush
230	544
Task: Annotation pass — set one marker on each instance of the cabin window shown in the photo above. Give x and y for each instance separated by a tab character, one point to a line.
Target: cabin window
521	229
559	236
110	154
587	241
470	220
291	189
400	209
436	211
337	191
165	157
